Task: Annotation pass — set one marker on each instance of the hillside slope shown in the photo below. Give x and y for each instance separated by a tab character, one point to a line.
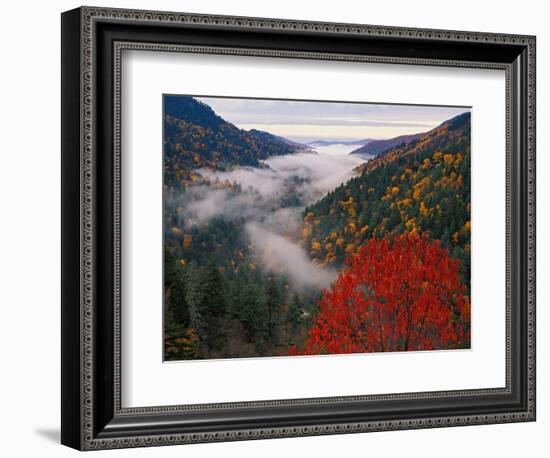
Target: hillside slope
262	135
377	147
421	186
195	137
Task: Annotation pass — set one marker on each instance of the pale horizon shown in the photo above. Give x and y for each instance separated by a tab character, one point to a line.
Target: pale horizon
308	121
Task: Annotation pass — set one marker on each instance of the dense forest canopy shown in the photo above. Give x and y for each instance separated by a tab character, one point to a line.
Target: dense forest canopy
422	186
195	136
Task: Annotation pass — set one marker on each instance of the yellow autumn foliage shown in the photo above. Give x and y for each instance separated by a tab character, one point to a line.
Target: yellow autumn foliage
187	240
455	238
424	211
350	248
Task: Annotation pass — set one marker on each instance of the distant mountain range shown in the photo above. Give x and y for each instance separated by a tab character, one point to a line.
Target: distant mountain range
195	136
368	147
377	147
271	137
336	142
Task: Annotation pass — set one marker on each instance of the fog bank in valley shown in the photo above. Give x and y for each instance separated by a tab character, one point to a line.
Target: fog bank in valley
279	255
271	202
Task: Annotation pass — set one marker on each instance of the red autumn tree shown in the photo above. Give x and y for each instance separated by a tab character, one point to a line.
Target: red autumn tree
396	295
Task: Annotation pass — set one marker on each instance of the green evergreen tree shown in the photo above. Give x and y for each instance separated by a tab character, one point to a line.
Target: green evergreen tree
213	303
213	299
273	299
294	313
234	295
176	309
254	314
194	298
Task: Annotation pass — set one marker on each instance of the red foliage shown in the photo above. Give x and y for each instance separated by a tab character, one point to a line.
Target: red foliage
396	295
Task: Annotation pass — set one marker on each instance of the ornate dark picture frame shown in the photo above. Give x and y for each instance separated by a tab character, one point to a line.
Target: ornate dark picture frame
92	42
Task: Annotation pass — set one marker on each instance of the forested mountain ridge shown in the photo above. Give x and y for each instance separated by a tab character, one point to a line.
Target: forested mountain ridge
441	137
195	136
422	186
377	147
262	135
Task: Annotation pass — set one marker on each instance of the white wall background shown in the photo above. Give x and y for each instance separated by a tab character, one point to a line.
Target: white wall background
30	240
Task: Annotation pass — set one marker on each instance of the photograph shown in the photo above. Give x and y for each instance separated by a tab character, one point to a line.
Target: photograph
308	227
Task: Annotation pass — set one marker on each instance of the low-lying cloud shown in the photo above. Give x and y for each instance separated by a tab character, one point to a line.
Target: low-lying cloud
212	203
319	172
266	181
279	255
322	172
270	203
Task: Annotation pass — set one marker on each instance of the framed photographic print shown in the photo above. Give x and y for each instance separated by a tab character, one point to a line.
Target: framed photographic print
314	243
277	228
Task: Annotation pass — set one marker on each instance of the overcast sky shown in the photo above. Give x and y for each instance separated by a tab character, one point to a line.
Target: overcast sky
307	121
